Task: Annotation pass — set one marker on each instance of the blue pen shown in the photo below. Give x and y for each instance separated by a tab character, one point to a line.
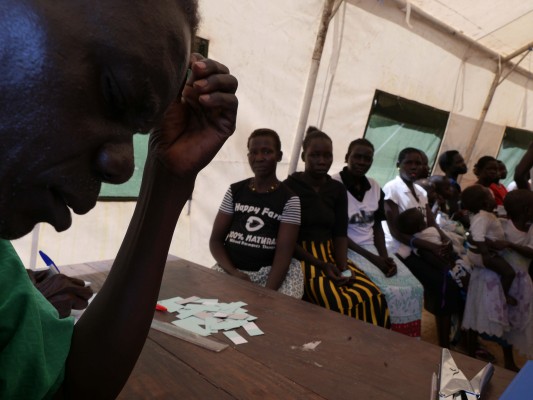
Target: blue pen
49	263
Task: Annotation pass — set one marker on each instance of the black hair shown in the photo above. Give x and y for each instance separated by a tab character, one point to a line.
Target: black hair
358	142
404	152
313	133
190	9
516	202
438	180
446	159
410	221
473	198
482	163
266	132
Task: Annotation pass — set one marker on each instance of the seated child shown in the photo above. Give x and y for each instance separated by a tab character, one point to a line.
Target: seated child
412	222
485	228
454	229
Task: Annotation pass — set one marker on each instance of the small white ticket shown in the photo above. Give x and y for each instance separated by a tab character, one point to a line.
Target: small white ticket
235	337
252	329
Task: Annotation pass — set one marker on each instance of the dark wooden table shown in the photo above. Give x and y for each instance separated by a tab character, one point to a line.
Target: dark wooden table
354	360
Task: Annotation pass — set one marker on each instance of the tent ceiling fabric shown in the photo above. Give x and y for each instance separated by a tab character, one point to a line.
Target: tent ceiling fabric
501	26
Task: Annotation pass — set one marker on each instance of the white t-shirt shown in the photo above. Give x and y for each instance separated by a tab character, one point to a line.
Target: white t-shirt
398	192
485	225
430	234
361	213
514	235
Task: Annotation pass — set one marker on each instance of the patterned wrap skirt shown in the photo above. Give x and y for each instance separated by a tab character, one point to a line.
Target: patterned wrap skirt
361	299
291	286
404	294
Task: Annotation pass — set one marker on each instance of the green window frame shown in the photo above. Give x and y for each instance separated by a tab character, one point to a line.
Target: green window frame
395	123
514	144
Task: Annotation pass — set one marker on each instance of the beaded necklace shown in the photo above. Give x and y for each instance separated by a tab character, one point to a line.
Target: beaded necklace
270	189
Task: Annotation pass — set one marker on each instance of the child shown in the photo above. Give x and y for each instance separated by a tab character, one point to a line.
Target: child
453	228
412	222
486	308
485	228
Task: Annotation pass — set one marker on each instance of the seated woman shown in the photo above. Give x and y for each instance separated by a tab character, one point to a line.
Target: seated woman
441	294
331	280
255	230
366	241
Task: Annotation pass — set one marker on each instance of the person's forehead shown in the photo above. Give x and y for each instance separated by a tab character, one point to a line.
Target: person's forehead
413	156
128	27
320	143
261	141
362	149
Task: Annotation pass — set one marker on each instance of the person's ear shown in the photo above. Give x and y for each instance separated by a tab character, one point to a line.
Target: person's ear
303	156
398	165
280	156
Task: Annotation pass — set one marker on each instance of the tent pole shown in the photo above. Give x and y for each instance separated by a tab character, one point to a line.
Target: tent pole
497	80
311	82
485	109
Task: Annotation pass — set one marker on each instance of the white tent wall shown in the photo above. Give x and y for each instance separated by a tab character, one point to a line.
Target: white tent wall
268	46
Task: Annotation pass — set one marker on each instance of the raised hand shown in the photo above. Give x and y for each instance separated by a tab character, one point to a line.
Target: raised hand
196	126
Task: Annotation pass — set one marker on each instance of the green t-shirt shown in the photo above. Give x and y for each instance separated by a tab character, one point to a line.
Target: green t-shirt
34	341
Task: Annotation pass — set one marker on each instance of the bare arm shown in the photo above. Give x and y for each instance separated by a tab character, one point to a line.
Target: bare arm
109	337
221	228
285	245
521	172
380	260
340	251
525	251
330	270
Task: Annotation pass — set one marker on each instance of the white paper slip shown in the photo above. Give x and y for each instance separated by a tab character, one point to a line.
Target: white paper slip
252	329
190	325
220	315
188	300
203	315
235	337
238	316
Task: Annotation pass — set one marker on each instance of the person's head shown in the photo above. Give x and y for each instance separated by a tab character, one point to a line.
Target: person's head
519	204
264	152
409	164
502	170
452	163
443	186
486	170
476	198
317	152
428	186
411	221
424	169
359	157
78	79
